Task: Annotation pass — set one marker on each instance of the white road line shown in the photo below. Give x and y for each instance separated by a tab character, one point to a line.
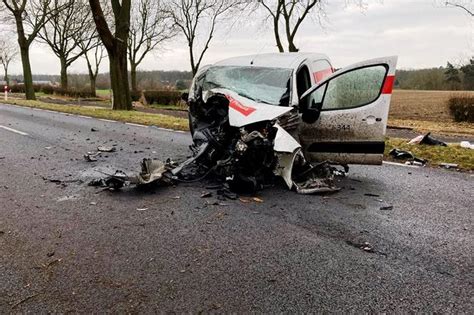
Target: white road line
400	164
136	125
107	120
84	116
14	130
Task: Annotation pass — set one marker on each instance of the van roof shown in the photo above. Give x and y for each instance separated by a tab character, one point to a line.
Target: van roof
272	60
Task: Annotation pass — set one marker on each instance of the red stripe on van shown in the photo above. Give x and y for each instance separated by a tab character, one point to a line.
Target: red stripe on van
235	104
320	75
388	85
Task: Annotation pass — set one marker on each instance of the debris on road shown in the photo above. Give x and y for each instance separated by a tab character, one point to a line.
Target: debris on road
91	157
371	195
366	247
104	148
386	208
206	195
449	165
94	130
427	139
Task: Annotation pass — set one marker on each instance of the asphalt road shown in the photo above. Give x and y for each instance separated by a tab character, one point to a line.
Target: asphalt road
67	247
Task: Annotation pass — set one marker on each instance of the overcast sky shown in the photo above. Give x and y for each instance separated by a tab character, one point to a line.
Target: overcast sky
421	32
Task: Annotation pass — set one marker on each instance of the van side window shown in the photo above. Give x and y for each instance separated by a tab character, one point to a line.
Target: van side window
321	69
303	80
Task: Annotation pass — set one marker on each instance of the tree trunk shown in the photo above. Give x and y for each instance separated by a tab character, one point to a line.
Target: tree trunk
7	79
25	58
93	79
27	76
277	35
133	75
292	47
119	78
64	83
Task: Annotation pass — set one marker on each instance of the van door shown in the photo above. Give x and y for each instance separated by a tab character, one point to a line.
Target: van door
345	115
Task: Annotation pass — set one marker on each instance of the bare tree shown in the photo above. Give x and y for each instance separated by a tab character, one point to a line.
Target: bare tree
189	16
94	53
462	5
149	27
68	19
116	44
8	53
35	13
291	13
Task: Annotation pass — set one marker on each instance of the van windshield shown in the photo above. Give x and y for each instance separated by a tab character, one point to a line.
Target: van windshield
265	85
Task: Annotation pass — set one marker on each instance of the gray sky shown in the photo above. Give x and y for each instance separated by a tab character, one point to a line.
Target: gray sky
421	32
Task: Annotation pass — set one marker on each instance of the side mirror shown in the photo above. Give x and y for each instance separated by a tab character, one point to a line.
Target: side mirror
310	116
185	96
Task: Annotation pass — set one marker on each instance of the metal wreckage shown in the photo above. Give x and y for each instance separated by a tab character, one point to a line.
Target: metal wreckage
247	152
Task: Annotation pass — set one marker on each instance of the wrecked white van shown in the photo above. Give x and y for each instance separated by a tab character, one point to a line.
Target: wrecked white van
282	113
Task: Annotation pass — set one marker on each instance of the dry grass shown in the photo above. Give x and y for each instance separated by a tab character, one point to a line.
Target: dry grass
427	111
423	105
159	120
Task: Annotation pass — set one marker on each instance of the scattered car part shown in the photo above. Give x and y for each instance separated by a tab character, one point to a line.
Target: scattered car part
466	145
104	148
449	165
406	155
426	139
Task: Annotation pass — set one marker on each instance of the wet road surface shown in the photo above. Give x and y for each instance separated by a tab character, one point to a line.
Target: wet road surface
67	247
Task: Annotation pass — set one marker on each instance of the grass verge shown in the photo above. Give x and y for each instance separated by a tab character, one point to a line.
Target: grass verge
159	120
169	107
447	127
434	154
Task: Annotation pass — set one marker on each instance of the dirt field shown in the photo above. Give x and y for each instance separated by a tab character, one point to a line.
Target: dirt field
422	105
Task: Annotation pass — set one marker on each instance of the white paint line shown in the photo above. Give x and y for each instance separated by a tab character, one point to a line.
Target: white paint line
14	130
136	125
107	120
179	131
84	116
400	164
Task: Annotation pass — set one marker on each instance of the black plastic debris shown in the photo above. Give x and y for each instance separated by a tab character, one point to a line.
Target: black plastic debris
427	139
406	155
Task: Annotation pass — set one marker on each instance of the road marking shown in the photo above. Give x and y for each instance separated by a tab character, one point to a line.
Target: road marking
84	116
107	120
400	164
14	130
136	125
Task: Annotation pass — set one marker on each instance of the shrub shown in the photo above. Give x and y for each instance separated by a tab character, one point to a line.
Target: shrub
20	88
136	95
462	108
48	89
52	90
163	97
17	88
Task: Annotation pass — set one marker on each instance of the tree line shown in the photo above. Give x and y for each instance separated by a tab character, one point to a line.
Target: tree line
450	78
126	31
